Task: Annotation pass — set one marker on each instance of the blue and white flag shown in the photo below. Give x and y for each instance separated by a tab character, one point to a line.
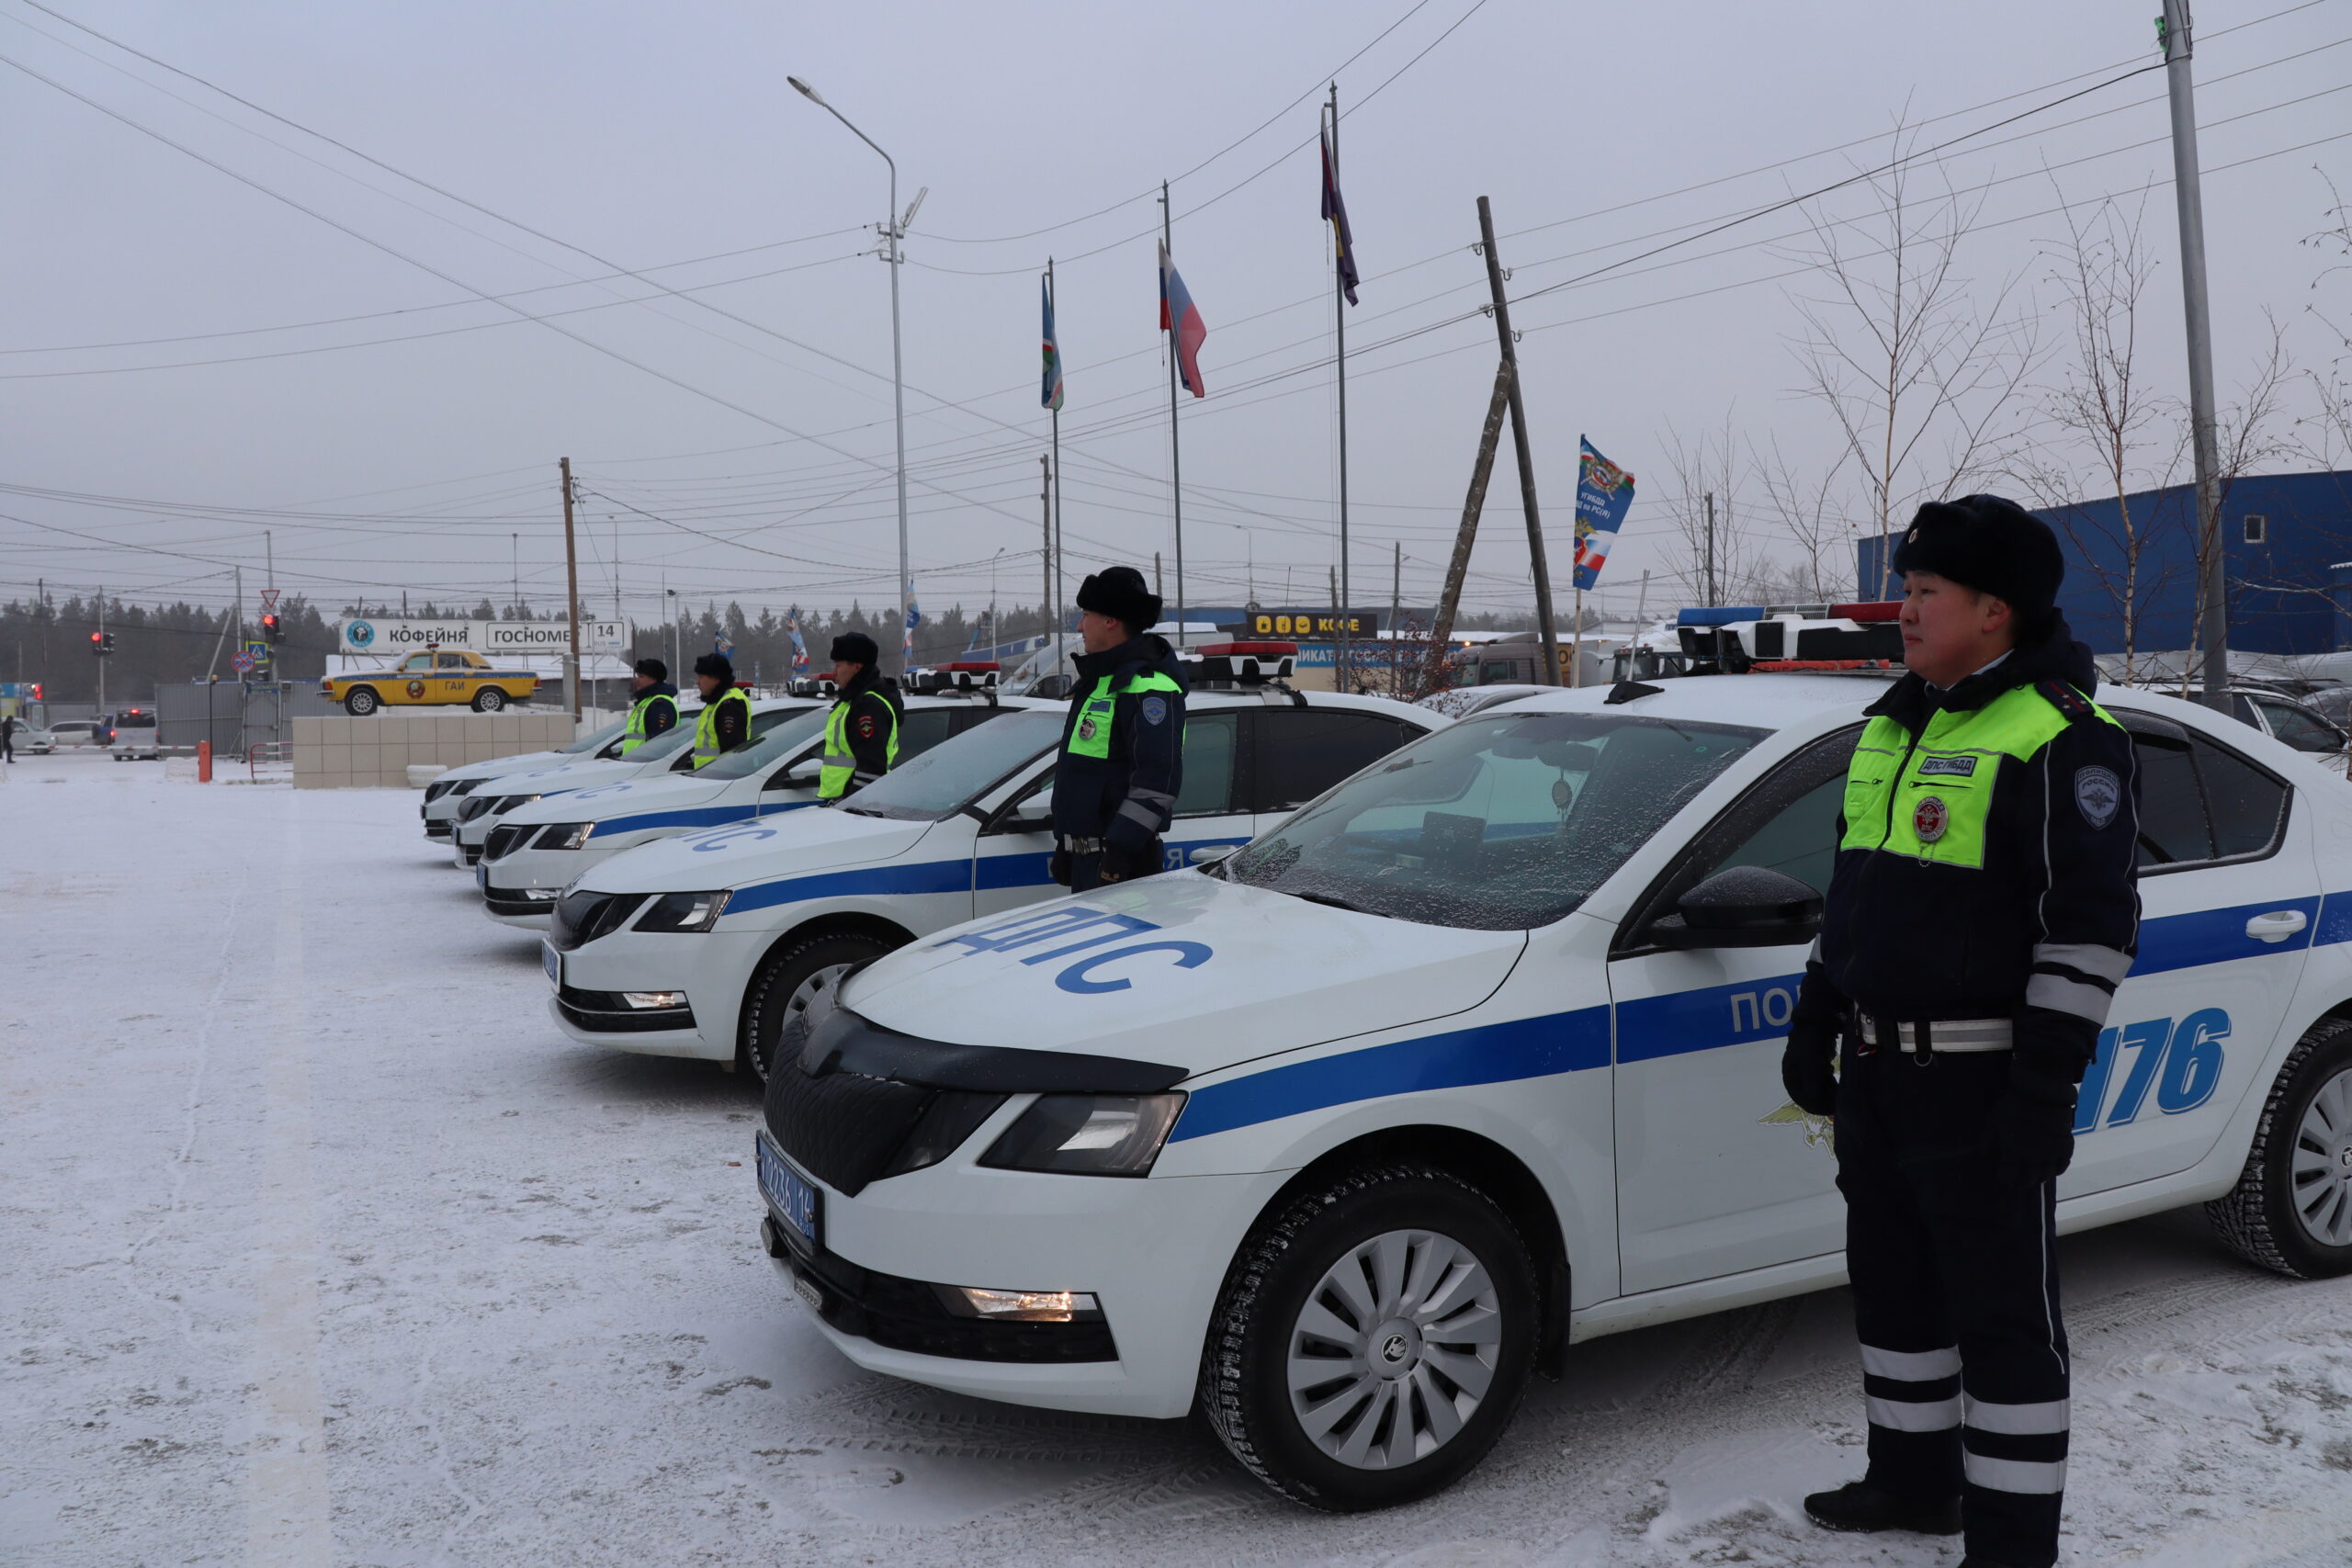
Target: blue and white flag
1604	494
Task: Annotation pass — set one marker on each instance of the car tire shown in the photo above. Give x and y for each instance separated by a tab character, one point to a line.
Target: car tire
786	982
361	701
1388	1443
490	699
2303	1230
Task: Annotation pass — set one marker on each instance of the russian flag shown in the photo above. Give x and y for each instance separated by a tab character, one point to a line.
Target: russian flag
1181	319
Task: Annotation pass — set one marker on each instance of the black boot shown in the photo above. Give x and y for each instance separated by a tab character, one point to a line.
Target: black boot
1860	1506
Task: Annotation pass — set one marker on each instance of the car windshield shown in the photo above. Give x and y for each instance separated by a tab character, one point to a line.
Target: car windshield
954	773
781	742
604	736
669	743
1498	823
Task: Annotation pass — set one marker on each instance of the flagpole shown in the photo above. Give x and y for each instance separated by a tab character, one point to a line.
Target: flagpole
1058	476
1339	329
1175	447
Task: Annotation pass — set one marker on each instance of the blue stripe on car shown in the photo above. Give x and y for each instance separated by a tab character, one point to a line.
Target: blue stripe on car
1491	1053
1676	1023
924	876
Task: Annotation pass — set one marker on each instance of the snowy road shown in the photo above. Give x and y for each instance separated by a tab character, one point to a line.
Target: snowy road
322	1246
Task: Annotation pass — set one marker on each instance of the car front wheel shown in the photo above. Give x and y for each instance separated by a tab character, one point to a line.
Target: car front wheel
360	701
1373	1338
2291	1209
777	1003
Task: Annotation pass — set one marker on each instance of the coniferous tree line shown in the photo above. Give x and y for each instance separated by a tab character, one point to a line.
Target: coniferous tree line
48	641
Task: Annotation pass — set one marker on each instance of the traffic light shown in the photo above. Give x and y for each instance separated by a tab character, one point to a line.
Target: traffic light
102	643
37	691
270	627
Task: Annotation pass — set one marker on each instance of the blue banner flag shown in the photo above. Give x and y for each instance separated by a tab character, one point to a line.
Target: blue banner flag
1051	396
1604	493
1335	213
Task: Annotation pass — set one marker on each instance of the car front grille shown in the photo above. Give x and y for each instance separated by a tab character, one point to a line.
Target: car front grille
583	916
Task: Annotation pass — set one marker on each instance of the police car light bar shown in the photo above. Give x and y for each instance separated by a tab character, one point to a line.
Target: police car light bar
974	665
1240	663
1743	637
1261	650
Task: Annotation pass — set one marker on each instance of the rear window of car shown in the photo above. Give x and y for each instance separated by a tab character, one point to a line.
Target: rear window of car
135	721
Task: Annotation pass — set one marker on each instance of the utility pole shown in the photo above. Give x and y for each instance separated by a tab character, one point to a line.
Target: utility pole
1046	506
1711	549
1482	469
572	596
2179	48
1395	617
1545	631
1339	636
1340	338
102	642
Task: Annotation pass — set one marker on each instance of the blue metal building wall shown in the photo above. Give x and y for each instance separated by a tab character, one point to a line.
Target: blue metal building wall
2286	593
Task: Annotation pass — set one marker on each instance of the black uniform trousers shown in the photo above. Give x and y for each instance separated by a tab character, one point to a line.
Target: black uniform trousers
1964	1362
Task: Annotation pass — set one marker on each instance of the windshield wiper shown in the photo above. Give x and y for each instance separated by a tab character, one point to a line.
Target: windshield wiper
1334	900
864	811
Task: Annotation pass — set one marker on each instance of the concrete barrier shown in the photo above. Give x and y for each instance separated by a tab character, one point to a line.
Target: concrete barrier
338	752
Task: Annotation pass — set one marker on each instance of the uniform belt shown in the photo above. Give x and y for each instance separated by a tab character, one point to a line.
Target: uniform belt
1943	1034
1082	846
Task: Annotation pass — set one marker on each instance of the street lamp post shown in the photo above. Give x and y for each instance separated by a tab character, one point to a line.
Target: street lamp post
892	233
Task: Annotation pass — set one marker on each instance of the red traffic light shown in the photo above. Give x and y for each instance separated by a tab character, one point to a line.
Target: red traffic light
97	637
269	627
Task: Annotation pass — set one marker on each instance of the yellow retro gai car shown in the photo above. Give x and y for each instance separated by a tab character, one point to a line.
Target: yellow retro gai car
438	677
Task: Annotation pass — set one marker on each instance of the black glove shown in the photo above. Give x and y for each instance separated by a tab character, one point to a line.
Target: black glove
1806	1066
1058	866
1123	862
2033	1122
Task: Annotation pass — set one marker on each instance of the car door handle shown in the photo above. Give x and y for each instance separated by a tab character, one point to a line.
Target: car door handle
2277	925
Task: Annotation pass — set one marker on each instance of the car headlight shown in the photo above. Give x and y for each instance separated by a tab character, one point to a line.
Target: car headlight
564	835
684	912
1088	1134
505	804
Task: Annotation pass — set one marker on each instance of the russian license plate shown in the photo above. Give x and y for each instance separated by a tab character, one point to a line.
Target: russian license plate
792	1196
552	961
482	876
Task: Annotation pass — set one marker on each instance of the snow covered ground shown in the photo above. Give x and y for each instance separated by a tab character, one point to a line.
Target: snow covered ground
319	1244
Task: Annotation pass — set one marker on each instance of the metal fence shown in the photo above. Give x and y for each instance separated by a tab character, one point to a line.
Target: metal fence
232	714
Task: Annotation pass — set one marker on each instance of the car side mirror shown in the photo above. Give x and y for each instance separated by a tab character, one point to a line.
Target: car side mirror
1034	815
1746	906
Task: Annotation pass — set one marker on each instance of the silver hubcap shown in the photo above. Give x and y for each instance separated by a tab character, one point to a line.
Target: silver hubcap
1395	1349
795	1032
2323	1170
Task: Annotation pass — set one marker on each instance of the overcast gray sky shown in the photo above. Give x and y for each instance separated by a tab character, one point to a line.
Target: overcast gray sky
407	443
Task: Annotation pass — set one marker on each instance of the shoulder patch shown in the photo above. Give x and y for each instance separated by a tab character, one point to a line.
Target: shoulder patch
1155	709
2065	699
866	726
2098	795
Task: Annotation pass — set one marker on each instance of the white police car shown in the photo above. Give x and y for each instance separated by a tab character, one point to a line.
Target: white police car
1478	1056
669	752
533	852
706	944
445	794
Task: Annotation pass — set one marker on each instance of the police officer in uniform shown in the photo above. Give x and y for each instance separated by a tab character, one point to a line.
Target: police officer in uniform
862	732
725	721
653	705
1982	910
1122	762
